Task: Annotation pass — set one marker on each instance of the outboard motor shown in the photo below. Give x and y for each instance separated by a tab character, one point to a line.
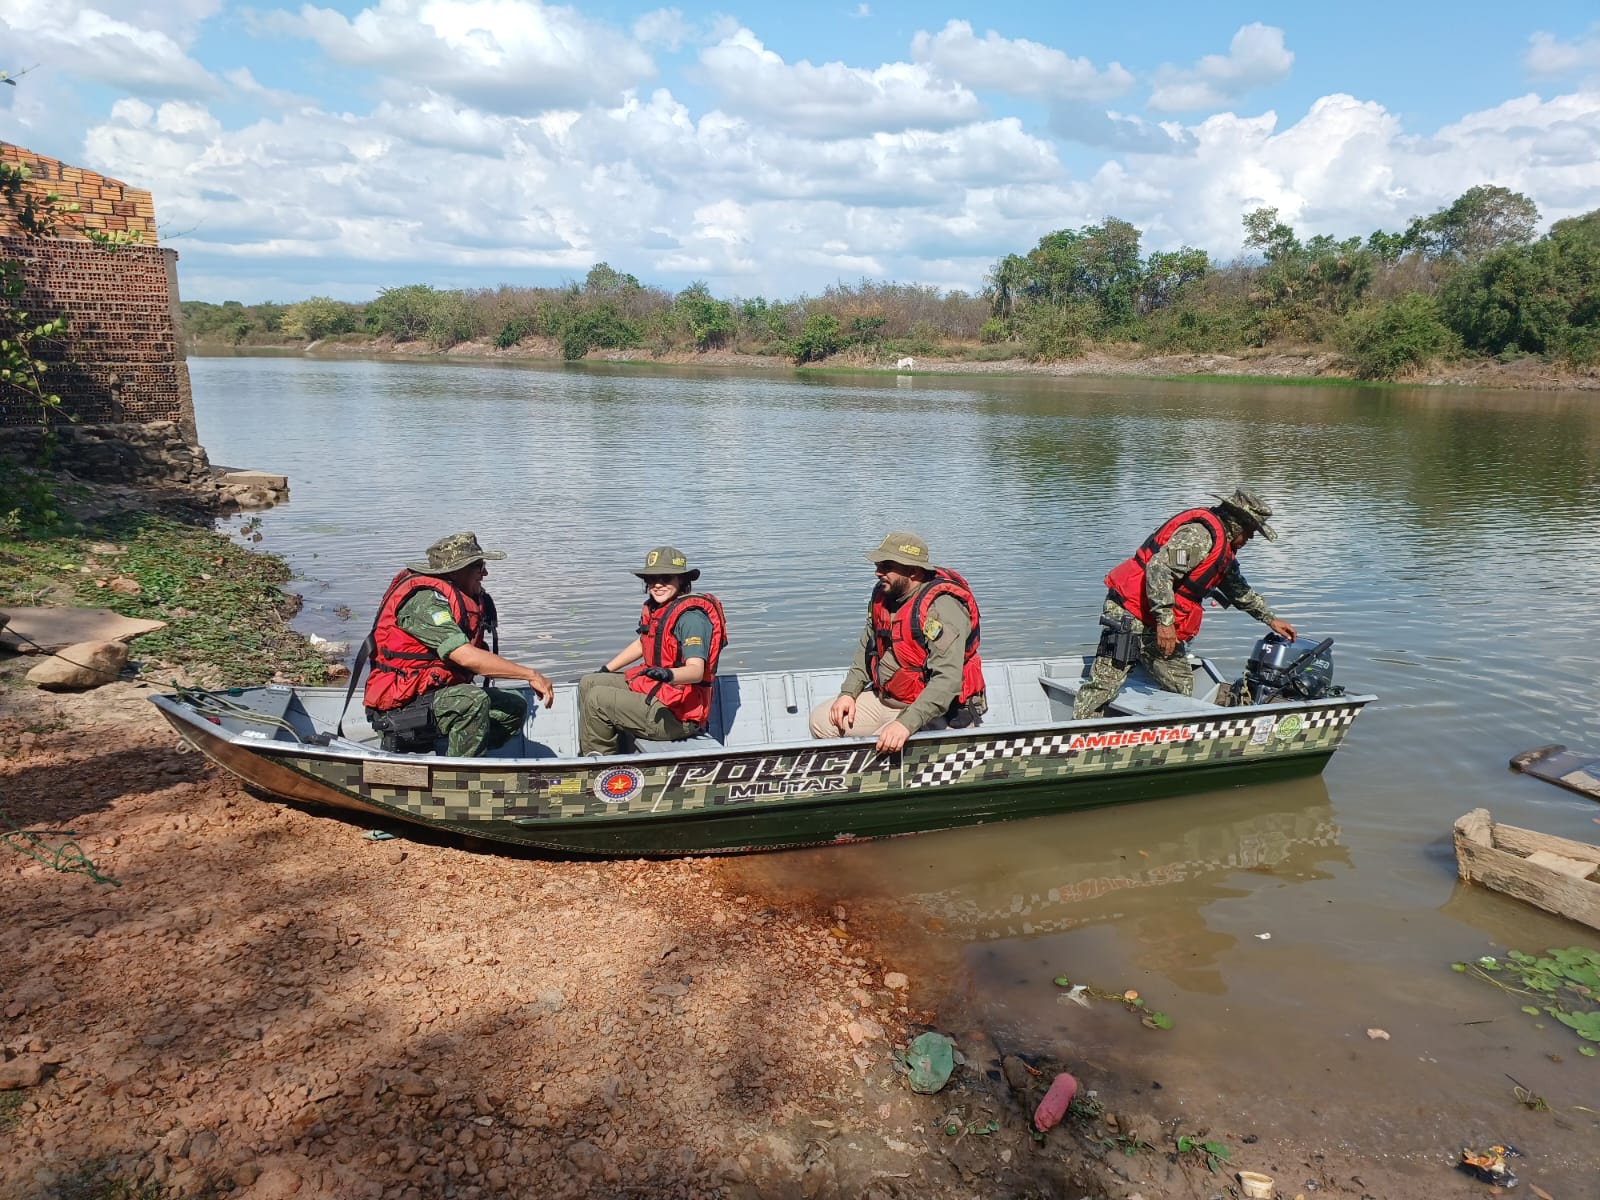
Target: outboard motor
1281	669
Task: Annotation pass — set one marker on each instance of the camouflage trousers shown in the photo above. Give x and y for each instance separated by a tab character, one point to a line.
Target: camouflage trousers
609	708
475	719
1106	675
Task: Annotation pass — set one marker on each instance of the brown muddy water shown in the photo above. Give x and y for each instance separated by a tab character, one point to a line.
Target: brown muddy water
1447	540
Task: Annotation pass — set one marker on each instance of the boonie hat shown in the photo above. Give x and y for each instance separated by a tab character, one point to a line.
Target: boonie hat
904	548
1252	509
666	560
454	552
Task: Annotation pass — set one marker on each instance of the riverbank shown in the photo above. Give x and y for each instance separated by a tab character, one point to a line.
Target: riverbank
1267	364
267	1004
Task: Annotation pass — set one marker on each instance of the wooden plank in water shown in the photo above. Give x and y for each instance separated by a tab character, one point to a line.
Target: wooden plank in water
1498	857
1565	768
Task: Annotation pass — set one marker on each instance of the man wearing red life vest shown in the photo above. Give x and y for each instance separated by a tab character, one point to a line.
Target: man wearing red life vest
666	695
917	662
1153	599
428	644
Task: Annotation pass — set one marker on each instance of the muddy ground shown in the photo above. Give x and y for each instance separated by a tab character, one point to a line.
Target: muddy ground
265	1004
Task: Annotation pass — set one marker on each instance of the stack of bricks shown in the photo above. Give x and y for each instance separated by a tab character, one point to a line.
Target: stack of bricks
121	359
105	204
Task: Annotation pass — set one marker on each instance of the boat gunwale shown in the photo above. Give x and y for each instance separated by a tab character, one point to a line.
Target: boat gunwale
171	703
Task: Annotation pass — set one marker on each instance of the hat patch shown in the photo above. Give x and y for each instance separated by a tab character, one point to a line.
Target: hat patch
911	551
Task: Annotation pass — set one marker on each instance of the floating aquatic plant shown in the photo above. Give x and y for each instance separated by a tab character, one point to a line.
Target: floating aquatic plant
1564	984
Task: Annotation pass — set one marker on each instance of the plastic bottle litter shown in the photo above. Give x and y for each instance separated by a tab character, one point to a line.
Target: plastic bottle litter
1055	1103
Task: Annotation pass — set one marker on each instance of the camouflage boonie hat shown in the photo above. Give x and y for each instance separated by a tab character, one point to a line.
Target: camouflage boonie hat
666	561
454	552
904	548
1252	509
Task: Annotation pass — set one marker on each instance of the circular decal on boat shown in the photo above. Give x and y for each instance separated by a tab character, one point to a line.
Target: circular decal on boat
1288	727
619	785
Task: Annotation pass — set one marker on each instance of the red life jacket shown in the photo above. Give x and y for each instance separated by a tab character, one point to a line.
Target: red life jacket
687	701
1126	579
404	668
902	629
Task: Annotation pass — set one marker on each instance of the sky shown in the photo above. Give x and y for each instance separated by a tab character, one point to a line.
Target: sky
343	147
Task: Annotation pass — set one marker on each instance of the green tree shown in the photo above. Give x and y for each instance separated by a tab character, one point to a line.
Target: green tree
1387	341
404	313
1167	272
317	318
820	337
1482	219
710	322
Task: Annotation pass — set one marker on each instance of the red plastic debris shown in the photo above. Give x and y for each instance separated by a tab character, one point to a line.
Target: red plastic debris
1054	1105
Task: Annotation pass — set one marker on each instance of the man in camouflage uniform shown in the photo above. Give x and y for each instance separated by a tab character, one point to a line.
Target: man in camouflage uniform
1153	610
903	565
472	719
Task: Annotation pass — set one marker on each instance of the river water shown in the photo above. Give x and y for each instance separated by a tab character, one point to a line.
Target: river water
1446	538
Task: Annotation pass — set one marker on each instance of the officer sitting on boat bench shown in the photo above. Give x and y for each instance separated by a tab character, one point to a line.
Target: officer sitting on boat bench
665	694
917	663
429	643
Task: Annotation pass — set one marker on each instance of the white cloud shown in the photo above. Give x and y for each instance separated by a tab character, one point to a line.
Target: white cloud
1092	125
1255	57
144	54
510	56
833	99
1548	56
1016	66
663	27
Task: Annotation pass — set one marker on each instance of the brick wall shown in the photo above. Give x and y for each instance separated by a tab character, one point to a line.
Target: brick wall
121	360
107	204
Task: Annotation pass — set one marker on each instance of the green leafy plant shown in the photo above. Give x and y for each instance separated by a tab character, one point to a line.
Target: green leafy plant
1564	984
1214	1153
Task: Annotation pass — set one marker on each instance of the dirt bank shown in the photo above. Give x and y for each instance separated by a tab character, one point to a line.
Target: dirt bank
1128	360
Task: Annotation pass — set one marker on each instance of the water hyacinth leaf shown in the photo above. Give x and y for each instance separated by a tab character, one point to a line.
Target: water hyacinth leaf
1530	1010
1157	1020
1062	981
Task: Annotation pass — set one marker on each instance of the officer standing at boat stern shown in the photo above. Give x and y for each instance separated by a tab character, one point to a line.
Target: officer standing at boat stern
916	665
1153	599
428	644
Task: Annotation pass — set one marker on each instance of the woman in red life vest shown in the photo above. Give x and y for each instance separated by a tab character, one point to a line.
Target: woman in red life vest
917	661
427	645
1153	599
665	696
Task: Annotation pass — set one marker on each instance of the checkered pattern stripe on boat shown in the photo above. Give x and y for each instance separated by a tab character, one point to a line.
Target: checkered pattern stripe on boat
484	792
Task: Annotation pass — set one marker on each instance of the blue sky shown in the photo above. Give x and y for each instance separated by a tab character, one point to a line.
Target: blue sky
341	147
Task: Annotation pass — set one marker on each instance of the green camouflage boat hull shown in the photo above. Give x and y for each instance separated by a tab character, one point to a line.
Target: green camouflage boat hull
717	800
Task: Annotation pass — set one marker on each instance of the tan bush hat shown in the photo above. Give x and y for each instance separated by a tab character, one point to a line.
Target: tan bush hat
454	552
904	548
666	560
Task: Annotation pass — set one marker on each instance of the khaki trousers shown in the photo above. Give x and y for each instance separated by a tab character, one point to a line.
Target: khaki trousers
608	708
872	714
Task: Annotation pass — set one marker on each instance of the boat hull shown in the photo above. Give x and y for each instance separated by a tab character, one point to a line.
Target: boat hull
788	796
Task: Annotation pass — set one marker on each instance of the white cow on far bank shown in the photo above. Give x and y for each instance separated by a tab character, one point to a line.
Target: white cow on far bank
906	364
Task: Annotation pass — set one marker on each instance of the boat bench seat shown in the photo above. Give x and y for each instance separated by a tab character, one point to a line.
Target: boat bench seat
1140	697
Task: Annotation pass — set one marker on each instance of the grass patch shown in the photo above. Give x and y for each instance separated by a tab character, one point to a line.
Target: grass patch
227	619
10	1110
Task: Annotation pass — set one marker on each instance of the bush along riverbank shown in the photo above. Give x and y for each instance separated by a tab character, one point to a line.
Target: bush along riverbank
68	543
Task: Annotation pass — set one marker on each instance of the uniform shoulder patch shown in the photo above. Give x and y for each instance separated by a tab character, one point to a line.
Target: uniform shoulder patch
691	641
932	628
441	618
